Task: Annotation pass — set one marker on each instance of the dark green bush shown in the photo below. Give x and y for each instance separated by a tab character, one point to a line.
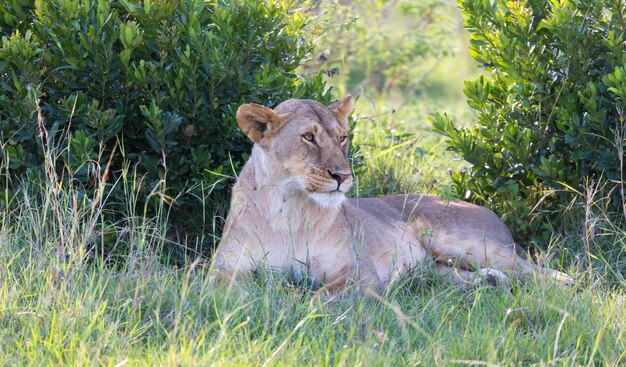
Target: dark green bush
162	79
550	117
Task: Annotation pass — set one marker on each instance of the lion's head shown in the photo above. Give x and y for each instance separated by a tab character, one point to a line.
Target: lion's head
306	142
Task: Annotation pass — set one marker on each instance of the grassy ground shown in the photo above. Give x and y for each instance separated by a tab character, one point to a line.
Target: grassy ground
61	305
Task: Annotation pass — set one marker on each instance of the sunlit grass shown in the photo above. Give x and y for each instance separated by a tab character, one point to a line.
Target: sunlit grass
145	313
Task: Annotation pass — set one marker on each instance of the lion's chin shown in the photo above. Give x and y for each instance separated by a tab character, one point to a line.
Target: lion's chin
331	200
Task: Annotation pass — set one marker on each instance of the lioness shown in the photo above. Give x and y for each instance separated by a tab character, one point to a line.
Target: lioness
289	212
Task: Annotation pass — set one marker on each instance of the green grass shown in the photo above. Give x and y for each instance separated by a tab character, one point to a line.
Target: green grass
395	158
62	304
143	313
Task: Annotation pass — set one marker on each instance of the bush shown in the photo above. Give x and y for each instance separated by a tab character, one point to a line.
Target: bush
160	79
550	119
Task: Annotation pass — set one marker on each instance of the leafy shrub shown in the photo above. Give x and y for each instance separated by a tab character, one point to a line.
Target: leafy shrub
160	79
551	116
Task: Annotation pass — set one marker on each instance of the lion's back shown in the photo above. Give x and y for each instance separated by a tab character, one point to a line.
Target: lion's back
431	211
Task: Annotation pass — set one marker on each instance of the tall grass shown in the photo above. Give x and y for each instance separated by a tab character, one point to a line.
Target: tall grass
65	301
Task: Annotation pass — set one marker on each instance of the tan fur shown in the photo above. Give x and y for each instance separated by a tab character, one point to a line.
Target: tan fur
288	213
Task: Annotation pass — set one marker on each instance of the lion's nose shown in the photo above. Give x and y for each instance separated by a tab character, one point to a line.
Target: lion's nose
339	177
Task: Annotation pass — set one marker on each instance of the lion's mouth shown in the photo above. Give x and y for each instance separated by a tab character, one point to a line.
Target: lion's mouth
326	190
329	199
330	192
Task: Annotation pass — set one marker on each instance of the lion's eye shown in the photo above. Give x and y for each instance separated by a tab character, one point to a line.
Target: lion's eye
309	137
343	139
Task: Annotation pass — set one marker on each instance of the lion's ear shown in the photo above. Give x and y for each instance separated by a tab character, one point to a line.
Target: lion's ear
342	108
258	121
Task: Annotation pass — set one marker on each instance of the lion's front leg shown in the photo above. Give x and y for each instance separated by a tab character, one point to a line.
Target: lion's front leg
366	281
227	270
333	287
235	259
